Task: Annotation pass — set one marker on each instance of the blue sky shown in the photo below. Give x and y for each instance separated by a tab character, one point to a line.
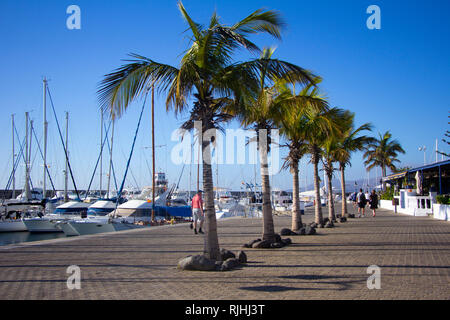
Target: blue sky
397	78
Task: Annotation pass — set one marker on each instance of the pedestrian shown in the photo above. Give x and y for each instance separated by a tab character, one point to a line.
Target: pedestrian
373	200
353	198
361	200
197	211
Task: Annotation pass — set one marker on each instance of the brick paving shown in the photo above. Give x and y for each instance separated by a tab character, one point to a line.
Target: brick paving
413	254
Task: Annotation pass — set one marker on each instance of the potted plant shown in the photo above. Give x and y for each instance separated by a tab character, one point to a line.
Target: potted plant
441	209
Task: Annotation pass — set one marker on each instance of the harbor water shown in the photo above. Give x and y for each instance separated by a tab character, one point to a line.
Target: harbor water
25	236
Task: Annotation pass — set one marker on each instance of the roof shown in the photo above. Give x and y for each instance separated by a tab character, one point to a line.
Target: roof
395	176
426	167
430	166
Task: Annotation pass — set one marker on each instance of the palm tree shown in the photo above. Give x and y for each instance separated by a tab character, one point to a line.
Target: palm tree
209	76
383	153
291	126
351	142
318	126
330	147
261	111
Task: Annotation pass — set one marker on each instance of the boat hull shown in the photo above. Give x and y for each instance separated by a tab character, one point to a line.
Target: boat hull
75	228
41	225
12	226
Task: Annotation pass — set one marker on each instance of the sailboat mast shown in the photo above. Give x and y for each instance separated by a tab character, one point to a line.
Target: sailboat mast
110	158
153	151
101	150
45	124
27	172
66	198
13	161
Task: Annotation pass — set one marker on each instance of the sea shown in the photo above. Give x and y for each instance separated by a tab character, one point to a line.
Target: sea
25	236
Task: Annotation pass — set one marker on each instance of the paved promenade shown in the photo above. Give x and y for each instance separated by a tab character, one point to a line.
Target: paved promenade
413	255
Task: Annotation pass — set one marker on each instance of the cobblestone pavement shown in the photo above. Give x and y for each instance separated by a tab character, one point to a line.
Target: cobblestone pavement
413	254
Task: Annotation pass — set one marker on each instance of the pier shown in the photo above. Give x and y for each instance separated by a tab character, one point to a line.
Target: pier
413	254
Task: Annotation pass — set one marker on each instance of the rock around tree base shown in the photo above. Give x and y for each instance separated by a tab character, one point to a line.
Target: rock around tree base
202	263
267	244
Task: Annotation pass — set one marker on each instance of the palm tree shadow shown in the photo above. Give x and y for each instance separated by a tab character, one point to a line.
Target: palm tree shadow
276	288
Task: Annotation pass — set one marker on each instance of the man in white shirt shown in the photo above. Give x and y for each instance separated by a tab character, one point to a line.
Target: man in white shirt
361	201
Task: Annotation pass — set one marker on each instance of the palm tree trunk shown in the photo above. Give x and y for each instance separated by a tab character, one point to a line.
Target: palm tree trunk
383	173
344	199
268	226
296	214
211	244
331	214
318	205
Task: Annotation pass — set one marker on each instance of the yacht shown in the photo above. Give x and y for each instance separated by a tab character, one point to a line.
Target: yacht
179	198
132	214
13	211
224	200
64	212
100	208
281	200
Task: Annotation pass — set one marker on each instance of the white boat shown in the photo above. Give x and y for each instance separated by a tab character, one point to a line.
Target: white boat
103	216
94	225
179	198
224	200
308	197
101	208
11	225
67	211
97	220
281	200
13	211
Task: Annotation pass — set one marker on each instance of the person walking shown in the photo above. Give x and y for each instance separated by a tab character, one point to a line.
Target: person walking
197	211
353	198
361	200
373	200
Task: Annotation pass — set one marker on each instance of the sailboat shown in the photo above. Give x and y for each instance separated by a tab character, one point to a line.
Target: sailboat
70	209
28	203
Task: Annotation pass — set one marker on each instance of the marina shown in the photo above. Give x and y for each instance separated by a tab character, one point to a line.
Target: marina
207	151
140	264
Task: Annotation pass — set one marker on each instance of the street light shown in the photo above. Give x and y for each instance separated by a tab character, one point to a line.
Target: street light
423	149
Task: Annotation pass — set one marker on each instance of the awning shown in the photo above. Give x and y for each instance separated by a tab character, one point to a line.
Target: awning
395	176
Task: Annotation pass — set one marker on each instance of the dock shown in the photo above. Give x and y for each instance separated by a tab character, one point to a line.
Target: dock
412	253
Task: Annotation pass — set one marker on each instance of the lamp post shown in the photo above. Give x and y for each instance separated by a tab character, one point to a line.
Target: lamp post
423	148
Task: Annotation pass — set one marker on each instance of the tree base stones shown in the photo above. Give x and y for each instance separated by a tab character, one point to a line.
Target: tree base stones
343	219
228	264
250	243
201	263
242	257
306	230
351	216
278	242
329	224
277	245
226	254
316	225
310	230
262	244
197	263
287	232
